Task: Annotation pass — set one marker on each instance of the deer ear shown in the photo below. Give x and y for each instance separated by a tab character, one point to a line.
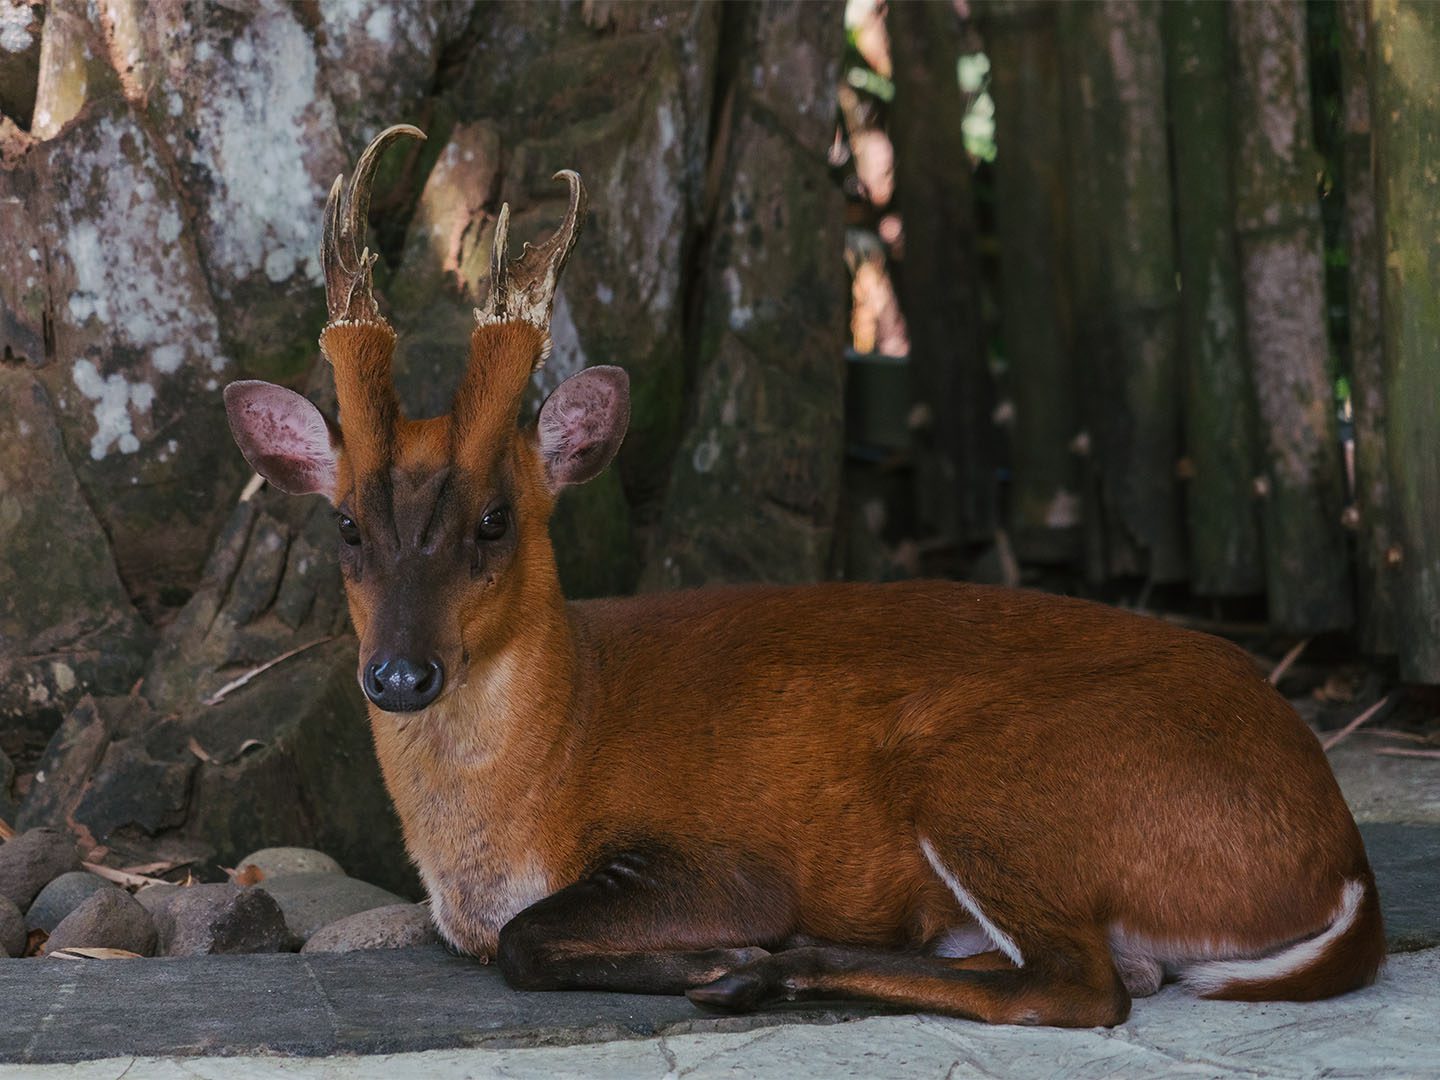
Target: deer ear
283	437
582	424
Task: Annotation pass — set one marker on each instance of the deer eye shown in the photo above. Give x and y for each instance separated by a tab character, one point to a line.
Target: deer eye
349	531
494	524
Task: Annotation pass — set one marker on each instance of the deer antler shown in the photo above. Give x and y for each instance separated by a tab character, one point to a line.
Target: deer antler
348	285
524	288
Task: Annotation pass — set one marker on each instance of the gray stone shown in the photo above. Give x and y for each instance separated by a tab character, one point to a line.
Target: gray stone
367	1002
66	625
203	919
399	926
109	919
280	861
152	897
1379	787
1406	860
12	929
32	860
311	901
62	896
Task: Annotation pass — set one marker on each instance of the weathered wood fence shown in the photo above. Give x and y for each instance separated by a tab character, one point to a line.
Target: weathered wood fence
1175	400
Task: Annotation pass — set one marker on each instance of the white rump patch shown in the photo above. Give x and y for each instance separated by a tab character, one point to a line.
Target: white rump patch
1209	976
999	939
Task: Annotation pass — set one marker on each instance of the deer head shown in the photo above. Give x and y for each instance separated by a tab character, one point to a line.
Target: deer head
442	523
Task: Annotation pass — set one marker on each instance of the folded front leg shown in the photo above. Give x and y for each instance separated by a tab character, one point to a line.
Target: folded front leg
648	920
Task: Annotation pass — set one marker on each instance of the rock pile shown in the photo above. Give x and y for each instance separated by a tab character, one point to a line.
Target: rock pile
279	900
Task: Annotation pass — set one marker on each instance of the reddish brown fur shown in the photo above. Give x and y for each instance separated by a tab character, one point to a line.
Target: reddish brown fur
1116	769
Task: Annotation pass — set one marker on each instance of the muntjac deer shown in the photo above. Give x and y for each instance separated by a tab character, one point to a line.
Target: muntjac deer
989	803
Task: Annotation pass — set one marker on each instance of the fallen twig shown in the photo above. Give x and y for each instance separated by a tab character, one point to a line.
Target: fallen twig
122	877
1344	732
235	684
1278	672
1397	751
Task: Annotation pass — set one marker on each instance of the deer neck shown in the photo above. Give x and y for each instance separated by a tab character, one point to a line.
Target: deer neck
472	776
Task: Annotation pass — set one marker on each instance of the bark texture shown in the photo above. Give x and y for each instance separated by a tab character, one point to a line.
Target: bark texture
1223	530
1277	215
1407	135
755	486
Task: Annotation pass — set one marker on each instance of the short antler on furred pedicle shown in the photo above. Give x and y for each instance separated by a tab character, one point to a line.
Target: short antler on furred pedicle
511	339
524	288
348	285
357	341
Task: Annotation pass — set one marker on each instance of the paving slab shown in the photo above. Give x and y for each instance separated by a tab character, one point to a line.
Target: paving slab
1388	1030
374	1002
1380	787
1406	860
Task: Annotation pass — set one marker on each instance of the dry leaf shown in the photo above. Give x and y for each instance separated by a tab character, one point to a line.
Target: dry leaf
198	750
249	874
95	954
6	832
35	941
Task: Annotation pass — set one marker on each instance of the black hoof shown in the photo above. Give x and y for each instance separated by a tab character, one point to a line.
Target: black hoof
735	992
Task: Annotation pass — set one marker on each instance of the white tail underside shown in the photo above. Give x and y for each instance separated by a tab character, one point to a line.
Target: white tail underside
1208	976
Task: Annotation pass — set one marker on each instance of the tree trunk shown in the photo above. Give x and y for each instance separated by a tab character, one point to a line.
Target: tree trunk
1225	558
1407	143
1278	222
939	277
1376	593
1123	264
754	489
1030	200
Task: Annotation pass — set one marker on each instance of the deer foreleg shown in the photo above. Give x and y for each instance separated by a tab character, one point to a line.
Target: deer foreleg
1070	983
647	921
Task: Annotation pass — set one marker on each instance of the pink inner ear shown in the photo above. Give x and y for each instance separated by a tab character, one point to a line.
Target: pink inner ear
283	437
583	423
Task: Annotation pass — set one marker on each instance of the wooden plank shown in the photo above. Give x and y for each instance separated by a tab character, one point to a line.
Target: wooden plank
938	280
1278	223
1376	577
1030	222
1123	266
1405	52
1222	523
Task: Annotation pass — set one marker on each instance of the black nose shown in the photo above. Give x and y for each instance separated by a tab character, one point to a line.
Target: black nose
398	684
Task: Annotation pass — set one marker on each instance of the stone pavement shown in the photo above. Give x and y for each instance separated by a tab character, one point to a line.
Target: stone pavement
423	1013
